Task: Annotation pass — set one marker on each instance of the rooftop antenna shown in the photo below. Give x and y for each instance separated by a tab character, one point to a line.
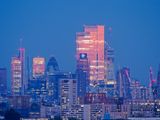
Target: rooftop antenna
21	40
110	33
109	38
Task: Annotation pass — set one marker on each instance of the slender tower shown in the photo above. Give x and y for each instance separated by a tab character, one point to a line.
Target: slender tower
18	72
153	86
158	82
22	59
123	83
109	61
16	83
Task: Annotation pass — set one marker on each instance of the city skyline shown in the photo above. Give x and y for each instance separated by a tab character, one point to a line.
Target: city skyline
73	60
24	21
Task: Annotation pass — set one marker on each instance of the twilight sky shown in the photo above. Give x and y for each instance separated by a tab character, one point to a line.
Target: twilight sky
48	27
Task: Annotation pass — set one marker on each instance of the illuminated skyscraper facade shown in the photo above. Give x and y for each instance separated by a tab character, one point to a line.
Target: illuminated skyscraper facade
22	59
38	67
91	42
16	76
18	82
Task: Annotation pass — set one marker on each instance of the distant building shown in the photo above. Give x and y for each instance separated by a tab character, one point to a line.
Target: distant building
3	81
38	67
16	71
145	108
110	62
91	42
123	83
50	111
52	66
18	82
153	85
115	108
21	104
35	110
138	92
53	86
135	89
52	80
37	88
158	83
23	71
144	93
68	95
110	75
82	75
94	98
82	112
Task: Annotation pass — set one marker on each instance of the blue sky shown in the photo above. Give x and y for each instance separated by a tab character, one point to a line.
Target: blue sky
48	27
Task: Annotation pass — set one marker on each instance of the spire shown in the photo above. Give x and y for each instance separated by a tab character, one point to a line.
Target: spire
21	41
158	76
151	74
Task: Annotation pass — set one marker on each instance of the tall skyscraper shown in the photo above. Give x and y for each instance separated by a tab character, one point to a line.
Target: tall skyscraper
110	64
110	75
91	42
3	81
123	83
53	74
109	57
37	83
18	73
16	76
52	66
22	59
82	74
38	67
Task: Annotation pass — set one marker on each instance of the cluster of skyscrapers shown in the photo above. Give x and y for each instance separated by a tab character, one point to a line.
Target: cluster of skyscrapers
93	92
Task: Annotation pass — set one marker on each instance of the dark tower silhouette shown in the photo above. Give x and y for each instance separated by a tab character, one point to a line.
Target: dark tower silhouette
52	66
82	74
158	83
52	71
153	85
123	83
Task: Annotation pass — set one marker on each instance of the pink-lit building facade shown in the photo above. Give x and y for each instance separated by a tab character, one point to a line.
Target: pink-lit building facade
18	73
38	67
16	76
91	42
